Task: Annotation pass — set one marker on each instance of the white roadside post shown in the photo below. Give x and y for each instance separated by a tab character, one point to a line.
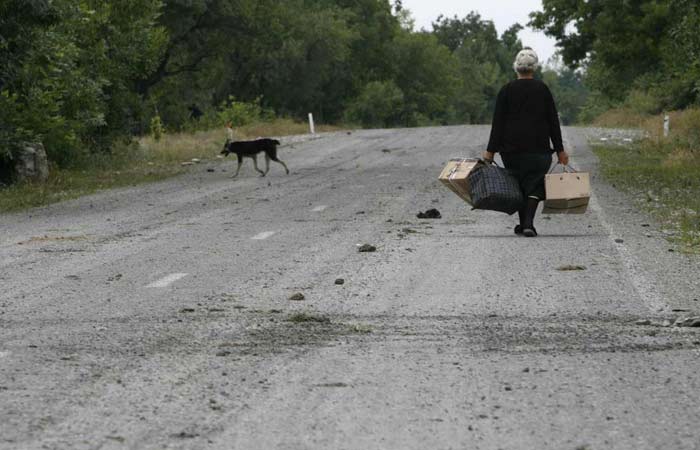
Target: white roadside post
667	125
312	126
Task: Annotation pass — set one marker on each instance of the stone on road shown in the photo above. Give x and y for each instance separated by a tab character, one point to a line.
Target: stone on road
457	334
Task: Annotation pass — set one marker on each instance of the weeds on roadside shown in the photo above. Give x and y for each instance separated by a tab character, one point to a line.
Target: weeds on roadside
664	174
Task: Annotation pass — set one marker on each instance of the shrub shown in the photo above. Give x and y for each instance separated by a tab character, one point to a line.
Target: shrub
243	113
157	129
643	102
685	127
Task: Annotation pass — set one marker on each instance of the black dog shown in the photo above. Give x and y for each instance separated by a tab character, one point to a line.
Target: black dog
250	149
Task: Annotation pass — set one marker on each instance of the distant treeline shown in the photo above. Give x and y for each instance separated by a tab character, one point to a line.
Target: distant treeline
79	75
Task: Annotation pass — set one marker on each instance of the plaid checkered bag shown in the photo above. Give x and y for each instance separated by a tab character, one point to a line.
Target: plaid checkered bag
493	188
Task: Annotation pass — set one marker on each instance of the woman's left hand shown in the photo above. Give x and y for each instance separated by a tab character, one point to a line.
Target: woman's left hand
563	158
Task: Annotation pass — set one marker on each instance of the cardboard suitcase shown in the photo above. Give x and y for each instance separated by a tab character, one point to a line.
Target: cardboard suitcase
455	175
567	193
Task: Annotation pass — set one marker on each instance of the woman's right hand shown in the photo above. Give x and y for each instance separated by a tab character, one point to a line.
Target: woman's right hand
563	158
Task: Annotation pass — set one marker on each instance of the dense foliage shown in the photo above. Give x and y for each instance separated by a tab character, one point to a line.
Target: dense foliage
643	54
81	74
68	71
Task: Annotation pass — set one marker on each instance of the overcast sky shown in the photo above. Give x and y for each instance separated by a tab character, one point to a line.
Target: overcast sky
504	13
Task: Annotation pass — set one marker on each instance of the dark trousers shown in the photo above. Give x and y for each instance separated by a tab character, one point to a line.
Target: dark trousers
529	169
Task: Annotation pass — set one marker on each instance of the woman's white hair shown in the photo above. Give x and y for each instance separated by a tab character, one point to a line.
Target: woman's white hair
526	61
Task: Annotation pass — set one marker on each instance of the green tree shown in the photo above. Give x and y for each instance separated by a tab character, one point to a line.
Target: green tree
619	42
569	91
379	105
70	68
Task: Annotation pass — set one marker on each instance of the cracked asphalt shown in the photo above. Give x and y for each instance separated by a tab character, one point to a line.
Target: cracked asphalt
159	316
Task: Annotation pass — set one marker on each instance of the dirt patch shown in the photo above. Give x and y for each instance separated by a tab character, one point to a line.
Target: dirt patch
42	239
571	268
308	318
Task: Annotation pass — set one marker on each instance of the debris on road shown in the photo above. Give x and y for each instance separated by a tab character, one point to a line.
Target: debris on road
308	318
571	268
367	248
211	170
340	282
187	310
430	214
298	297
185	435
619	241
187	163
360	328
688	322
681	322
332	385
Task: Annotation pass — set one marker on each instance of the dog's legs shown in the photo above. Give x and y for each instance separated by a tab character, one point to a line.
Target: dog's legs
255	164
240	163
283	164
267	163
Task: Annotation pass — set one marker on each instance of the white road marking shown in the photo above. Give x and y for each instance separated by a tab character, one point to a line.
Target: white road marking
264	235
167	281
644	287
320	208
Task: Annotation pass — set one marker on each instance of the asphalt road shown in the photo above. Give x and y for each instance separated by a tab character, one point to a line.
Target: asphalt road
159	317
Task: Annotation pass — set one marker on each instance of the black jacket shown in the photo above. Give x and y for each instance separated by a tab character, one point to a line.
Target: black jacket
526	119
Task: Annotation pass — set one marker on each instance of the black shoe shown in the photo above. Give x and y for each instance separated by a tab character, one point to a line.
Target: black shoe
530	232
518	230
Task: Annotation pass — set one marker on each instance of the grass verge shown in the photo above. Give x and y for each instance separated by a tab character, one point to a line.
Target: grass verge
144	161
664	175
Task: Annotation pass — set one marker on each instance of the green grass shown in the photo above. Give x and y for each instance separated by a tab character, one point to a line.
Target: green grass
68	184
144	162
664	176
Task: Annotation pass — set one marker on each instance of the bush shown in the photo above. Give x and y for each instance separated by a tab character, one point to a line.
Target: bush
157	129
243	113
380	105
685	128
643	102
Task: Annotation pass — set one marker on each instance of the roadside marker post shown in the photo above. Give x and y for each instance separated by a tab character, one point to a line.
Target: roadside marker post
312	126
667	125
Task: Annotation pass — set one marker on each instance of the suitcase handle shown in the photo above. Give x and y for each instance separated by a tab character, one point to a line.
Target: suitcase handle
490	162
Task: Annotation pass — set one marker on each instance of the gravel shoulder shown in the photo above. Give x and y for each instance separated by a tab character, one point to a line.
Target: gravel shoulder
159	316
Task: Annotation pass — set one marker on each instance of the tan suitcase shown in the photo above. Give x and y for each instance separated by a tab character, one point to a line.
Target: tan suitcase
455	175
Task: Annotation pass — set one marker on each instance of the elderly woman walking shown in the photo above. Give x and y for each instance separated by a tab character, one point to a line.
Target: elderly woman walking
525	127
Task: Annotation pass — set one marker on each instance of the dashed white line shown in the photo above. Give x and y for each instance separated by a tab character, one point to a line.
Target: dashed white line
320	208
167	281
263	236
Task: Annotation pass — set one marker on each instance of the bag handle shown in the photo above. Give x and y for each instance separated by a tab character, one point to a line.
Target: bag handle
567	168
